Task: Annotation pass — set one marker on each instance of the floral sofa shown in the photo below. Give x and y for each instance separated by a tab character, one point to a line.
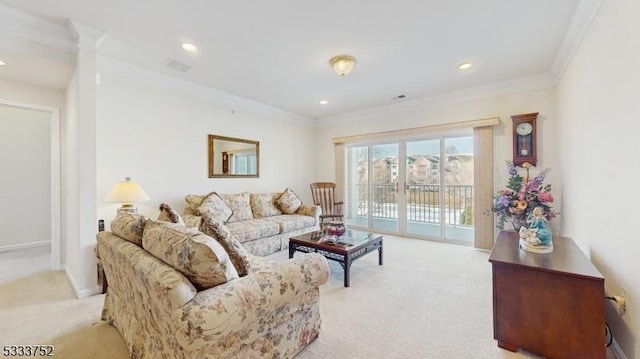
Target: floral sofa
176	292
262	222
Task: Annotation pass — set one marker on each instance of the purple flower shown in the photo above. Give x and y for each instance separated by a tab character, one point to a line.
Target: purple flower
503	201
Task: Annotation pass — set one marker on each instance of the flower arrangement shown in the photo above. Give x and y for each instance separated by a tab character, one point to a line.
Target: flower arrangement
522	196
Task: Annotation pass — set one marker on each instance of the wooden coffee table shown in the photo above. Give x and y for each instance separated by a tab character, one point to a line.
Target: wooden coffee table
349	247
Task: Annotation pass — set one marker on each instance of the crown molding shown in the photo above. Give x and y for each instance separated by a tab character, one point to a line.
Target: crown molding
27	26
128	71
498	89
582	19
88	38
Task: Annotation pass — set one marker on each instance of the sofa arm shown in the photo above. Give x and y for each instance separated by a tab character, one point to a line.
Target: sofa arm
311	211
238	311
134	273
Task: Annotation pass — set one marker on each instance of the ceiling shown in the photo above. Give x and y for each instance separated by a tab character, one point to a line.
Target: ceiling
277	52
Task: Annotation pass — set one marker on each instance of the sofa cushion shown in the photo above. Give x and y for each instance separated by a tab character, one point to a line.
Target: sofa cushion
129	226
216	229
199	257
168	214
214	205
252	229
292	222
264	205
288	202
239	204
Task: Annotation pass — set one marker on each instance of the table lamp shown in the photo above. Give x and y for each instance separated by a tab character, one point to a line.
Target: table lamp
127	192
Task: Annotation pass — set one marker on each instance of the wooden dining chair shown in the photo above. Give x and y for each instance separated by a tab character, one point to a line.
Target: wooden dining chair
324	196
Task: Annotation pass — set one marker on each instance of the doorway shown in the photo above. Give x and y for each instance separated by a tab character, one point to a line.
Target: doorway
29	156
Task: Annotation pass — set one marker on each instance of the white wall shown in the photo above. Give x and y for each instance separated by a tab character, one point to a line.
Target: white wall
31	94
598	107
25	160
158	137
542	101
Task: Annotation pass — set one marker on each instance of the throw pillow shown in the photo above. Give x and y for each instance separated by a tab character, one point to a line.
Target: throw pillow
168	214
215	207
192	221
193	202
239	204
216	229
199	257
288	202
263	205
129	226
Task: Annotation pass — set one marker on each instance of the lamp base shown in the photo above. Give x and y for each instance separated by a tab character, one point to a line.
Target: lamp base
128	208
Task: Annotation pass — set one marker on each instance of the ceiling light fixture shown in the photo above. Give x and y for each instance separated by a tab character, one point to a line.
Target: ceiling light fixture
2	63
465	66
189	47
343	64
324	102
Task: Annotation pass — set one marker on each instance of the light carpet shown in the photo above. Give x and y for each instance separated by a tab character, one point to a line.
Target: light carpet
428	300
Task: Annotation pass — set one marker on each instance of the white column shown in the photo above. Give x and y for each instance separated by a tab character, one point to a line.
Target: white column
81	194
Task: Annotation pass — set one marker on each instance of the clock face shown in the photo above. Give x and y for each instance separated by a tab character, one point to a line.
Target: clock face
524	128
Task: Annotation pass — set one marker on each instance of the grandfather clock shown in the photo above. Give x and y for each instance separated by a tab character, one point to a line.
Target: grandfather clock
525	139
225	162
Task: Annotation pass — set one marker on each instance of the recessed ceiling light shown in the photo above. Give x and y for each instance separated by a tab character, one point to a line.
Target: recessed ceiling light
2	63
189	47
324	102
465	66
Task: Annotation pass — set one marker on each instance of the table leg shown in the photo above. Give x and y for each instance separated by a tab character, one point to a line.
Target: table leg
380	254
291	251
347	267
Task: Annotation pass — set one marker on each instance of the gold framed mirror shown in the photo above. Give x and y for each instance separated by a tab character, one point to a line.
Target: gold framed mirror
233	157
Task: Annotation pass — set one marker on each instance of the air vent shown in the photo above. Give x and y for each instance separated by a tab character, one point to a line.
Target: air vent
399	97
176	65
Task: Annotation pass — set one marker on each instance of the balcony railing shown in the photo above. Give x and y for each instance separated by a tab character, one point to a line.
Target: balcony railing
423	203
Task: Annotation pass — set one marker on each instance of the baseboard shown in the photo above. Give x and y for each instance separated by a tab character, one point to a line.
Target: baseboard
24	245
81	293
617	351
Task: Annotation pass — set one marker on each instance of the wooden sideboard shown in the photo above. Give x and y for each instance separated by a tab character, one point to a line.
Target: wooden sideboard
548	304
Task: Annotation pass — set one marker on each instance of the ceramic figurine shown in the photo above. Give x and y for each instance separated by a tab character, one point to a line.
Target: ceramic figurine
537	238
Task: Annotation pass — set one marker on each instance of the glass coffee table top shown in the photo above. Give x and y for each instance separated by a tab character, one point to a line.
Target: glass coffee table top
350	237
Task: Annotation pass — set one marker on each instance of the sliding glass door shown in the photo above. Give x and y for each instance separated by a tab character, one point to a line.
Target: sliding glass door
357	194
421	188
372	187
384	187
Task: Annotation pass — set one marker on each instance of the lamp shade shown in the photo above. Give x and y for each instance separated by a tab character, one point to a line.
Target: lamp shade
342	64
127	192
